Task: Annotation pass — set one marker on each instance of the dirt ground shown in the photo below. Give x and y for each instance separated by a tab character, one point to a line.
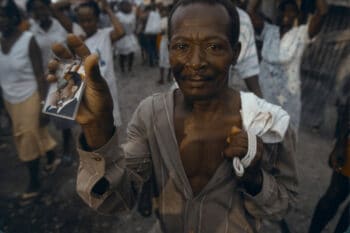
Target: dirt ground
59	209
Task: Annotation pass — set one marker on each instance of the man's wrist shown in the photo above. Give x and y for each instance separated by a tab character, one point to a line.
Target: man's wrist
98	133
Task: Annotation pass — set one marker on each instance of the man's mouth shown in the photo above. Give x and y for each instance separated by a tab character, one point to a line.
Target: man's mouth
197	81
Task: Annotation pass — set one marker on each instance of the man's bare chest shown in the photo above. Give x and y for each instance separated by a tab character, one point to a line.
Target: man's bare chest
201	143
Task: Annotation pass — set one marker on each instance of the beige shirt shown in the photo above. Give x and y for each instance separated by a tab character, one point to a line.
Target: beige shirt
151	146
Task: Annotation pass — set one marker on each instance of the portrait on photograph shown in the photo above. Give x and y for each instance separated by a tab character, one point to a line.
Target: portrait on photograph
64	96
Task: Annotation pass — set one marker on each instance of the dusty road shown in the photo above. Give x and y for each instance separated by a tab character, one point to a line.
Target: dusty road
59	210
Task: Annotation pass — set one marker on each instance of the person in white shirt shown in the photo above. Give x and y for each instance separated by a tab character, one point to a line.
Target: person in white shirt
128	45
164	63
282	50
23	88
100	41
247	66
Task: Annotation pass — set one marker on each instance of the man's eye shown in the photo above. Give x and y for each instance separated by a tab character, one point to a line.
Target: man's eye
181	46
215	47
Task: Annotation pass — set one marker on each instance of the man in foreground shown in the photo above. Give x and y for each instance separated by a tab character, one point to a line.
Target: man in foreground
197	143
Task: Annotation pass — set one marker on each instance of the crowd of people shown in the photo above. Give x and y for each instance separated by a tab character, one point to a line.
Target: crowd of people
215	158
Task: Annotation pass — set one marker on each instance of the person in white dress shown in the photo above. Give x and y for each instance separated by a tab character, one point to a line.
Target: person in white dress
283	46
100	41
164	64
128	45
23	87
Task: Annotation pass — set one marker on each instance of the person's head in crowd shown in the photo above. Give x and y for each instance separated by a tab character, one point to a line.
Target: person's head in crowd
164	11
69	88
39	9
288	13
10	17
125	7
88	14
203	48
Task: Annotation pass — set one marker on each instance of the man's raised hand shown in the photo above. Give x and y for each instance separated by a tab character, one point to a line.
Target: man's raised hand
95	113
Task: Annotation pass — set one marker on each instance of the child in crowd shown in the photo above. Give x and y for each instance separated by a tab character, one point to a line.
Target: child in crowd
128	45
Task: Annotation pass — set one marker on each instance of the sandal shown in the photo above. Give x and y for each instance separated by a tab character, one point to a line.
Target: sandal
51	168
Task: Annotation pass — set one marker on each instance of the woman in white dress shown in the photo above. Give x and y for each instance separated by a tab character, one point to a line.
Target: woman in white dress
23	87
100	41
283	46
128	45
164	63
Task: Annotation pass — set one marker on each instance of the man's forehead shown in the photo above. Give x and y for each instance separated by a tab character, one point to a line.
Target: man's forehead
200	14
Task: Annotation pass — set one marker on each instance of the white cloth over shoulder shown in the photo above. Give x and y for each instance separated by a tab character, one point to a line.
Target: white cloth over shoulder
269	122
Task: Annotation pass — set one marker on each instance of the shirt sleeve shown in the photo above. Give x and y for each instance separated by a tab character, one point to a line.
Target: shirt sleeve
247	63
280	182
125	169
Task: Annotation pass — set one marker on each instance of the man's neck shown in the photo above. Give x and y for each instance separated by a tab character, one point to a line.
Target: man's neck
213	104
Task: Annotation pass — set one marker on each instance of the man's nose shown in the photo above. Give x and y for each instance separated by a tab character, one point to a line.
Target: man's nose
197	59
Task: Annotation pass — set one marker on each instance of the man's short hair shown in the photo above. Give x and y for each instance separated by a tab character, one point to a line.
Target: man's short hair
233	31
12	11
30	4
76	78
284	3
91	4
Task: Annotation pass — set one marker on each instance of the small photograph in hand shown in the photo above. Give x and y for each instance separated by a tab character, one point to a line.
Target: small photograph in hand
65	94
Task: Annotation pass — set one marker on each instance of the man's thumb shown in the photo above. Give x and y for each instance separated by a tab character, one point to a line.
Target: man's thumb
92	70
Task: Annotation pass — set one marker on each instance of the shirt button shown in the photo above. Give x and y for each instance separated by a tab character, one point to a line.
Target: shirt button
97	159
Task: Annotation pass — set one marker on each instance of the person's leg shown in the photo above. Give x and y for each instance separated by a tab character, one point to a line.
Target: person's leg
343	223
34	183
169	75
130	61
67	146
328	205
153	49
122	62
161	78
52	162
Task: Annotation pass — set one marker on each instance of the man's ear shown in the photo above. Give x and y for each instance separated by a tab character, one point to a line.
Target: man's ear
236	50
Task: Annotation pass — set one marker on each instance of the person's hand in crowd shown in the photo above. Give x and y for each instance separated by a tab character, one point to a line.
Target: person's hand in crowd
95	113
103	4
238	147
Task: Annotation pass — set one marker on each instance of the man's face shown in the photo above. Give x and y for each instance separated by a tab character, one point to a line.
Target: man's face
200	50
68	91
5	22
41	11
289	14
87	20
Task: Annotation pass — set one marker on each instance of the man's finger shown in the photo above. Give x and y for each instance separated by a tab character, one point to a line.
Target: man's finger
78	47
234	131
53	66
231	152
61	52
92	70
51	78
